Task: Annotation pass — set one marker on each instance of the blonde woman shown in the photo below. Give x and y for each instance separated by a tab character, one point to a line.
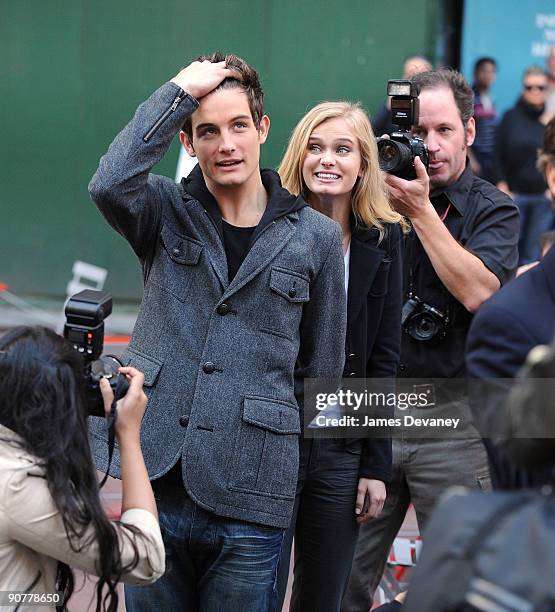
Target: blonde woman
332	161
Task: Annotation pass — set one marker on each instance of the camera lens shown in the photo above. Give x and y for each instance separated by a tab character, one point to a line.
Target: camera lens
388	153
424	328
107	366
393	156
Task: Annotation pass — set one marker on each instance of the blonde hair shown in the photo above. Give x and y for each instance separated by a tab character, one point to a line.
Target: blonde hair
369	201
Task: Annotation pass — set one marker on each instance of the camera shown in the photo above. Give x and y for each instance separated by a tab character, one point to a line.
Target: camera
396	154
84	329
422	321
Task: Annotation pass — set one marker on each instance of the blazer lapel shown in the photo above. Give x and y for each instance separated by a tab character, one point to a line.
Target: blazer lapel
269	243
364	262
208	233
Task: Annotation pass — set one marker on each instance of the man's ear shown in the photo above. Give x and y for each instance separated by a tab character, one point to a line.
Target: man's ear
187	143
263	129
470	132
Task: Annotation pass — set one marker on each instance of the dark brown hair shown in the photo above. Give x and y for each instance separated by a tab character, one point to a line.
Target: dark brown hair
249	83
453	80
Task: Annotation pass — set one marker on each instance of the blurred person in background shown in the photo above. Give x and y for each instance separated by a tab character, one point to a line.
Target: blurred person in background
518	138
332	161
51	517
481	153
381	122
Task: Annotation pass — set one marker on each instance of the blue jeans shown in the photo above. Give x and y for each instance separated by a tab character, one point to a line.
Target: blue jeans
535	219
213	563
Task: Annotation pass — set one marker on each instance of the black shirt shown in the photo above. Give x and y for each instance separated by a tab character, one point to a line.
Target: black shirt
237	242
485	222
519	136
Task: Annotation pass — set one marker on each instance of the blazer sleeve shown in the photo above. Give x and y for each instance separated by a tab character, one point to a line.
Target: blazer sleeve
376	457
324	321
34	520
127	195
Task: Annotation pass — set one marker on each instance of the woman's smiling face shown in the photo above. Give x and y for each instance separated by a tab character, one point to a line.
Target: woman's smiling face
332	160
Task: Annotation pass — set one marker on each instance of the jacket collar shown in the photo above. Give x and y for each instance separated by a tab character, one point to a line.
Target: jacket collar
280	201
276	227
13	453
457	193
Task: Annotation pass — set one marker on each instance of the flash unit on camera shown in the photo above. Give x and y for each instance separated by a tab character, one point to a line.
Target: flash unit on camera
402	88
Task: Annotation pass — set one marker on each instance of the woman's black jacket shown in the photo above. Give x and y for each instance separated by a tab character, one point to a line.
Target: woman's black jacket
374	303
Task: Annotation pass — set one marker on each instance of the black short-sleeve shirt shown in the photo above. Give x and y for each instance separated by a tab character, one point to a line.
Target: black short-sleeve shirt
485	222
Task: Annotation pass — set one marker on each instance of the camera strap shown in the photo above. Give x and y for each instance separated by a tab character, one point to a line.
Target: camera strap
413	262
111	421
121	389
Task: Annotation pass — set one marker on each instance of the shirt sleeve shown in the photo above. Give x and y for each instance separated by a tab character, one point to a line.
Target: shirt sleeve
34	520
494	238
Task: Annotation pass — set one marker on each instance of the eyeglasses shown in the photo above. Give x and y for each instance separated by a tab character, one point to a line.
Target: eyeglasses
538	87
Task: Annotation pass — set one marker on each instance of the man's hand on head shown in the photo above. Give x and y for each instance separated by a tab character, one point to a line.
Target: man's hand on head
200	78
410	198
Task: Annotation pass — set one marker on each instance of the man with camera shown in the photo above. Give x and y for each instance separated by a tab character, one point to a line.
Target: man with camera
463	247
235	312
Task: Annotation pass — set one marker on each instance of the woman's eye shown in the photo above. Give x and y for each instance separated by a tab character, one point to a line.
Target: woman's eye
343	150
314	148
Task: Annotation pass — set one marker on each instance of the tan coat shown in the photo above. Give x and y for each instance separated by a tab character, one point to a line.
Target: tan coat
33	538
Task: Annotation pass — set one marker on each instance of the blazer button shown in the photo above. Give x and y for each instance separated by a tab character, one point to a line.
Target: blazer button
209	368
222	309
292	292
351	374
351	356
184	420
402	367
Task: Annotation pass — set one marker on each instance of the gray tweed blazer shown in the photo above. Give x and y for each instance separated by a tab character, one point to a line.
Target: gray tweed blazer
220	359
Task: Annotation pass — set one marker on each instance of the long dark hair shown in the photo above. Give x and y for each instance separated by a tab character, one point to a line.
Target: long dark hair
41	391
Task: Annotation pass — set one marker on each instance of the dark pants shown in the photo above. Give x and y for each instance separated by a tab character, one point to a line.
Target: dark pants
323	525
213	563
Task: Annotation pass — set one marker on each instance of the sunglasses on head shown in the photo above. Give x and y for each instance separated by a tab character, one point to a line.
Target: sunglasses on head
538	87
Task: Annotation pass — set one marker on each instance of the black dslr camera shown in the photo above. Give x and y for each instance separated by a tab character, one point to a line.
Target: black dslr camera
396	154
422	321
84	328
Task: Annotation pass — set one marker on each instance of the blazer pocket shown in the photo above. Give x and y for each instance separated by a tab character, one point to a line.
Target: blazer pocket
381	280
181	249
293	286
266	452
149	366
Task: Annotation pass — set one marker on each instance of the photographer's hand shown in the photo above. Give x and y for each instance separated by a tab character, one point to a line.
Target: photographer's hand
463	273
131	407
200	78
136	489
410	198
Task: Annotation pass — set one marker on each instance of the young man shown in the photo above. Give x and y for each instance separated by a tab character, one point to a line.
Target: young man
463	247
244	296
